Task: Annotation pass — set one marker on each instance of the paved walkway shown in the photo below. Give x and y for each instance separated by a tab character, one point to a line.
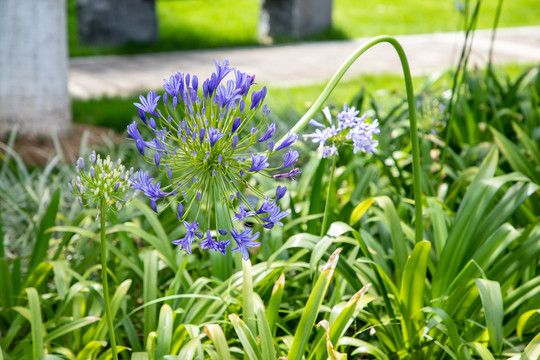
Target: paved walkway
301	63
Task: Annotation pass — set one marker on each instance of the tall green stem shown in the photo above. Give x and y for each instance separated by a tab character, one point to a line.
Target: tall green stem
317	105
105	282
327	203
493	31
247	297
457	81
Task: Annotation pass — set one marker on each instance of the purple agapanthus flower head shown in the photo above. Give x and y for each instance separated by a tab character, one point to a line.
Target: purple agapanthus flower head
212	140
348	126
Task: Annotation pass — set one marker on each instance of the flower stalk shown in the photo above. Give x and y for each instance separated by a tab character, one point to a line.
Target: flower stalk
105	282
317	105
105	185
247	297
327	203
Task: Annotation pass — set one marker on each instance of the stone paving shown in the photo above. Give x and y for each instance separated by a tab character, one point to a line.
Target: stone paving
300	63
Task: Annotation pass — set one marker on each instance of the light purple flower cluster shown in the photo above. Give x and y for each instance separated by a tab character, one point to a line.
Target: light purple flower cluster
101	180
348	126
203	139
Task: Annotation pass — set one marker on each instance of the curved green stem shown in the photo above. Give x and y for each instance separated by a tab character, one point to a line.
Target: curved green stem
317	105
105	282
327	203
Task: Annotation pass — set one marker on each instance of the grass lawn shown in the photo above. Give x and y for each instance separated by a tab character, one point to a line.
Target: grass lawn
420	16
118	112
285	102
198	24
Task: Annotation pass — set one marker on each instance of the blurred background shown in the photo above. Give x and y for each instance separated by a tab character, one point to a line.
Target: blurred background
201	24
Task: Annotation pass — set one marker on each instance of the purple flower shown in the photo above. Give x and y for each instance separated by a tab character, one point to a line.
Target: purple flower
328	151
186	241
289	140
362	137
214	135
134	132
152	123
202	144
159	142
222	70
211	84
236	124
209	243
243	82
149	104
349	127
269	132
315	123
290	174
80	163
242	214
289	158
222	246
201	135
227	95
258	162
142	181
274	216
244	241
266	206
257	97
172	87
180	212
142	115
157	159
280	192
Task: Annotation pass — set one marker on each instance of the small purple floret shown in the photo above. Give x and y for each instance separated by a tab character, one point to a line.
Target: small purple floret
244	241
258	162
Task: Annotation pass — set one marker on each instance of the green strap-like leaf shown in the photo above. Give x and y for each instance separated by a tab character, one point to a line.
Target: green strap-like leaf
360	210
412	286
311	310
150	289
532	350
164	331
265	333
69	327
90	348
246	338
523	321
490	294
38	331
272	311
481	350
216	335
42	238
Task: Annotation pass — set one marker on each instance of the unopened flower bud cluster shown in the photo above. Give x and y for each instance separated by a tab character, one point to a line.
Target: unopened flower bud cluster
101	180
